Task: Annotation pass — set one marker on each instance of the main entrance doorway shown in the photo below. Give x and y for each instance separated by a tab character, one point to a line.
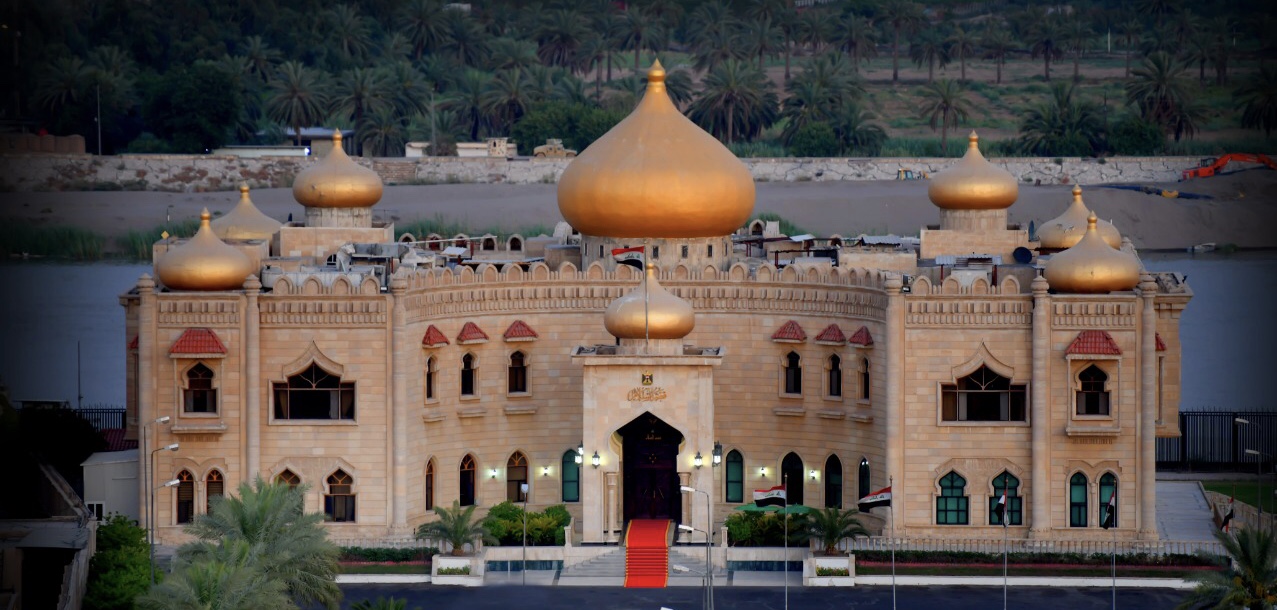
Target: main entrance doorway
649	460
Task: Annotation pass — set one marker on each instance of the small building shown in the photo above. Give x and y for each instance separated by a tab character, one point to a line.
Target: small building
110	483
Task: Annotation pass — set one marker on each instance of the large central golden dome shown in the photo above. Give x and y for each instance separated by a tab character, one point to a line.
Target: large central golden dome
337	182
973	183
656	174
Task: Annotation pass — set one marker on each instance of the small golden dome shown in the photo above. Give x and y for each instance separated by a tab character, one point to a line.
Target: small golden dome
669	317
1092	266
1065	230
337	182
973	183
656	174
204	262
245	221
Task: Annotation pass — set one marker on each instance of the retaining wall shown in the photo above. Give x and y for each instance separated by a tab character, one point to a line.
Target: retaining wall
187	173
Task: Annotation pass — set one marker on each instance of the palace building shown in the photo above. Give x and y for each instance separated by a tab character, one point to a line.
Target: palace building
395	373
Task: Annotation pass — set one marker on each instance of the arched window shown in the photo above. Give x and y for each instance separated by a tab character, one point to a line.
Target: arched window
489	243
1093	394
1015	504
430	484
983	396
339	502
791	474
467	375
436	242
315	394
467	481
431	368
516	244
734	476
214	487
571	476
756	228
1108	487
793	373
185	496
951	504
833	482
199	395
517	374
516	477
1077	500
864	379
863	479
835	243
289	478
834	377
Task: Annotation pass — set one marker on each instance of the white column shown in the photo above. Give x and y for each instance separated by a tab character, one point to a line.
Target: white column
895	410
1039	520
1148	411
401	362
252	381
146	385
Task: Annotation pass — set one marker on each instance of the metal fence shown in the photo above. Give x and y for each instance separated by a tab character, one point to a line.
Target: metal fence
1022	545
102	417
1221	440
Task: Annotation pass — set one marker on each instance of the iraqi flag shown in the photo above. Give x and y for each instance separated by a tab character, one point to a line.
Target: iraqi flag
1228	516
1110	514
882	497
770	497
629	256
1000	509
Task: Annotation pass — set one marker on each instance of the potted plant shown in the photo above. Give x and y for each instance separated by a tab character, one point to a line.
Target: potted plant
458	527
829	527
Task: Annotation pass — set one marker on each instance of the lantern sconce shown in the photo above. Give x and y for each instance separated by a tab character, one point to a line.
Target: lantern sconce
594	459
698	461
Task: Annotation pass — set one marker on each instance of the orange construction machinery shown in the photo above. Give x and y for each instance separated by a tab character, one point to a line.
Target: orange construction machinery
1211	166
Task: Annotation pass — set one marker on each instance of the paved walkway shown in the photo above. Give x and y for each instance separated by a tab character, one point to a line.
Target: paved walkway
1182	511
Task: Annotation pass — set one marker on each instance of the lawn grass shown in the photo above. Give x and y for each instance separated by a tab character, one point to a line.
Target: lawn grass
1245	491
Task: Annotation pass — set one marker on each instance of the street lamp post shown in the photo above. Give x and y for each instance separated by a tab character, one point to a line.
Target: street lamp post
523	488
708	600
150	530
709	527
1259	484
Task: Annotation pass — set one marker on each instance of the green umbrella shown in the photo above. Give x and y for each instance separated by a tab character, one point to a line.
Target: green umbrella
754	508
796	509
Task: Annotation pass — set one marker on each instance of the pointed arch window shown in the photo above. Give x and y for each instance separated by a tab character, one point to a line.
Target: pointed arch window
467	481
339	502
734	476
865	485
517	382
1093	393
791	473
467	374
432	367
185	497
952	506
1078	506
214	487
864	379
834	377
430	484
833	482
983	396
199	396
571	476
793	371
516	476
288	478
1015	503
1108	486
315	394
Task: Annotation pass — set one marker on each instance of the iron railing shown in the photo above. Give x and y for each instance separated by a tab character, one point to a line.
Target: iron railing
1217	440
1022	545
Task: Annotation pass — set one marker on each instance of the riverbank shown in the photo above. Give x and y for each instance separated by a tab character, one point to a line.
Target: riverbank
1241	211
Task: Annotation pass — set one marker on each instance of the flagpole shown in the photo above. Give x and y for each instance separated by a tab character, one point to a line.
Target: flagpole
891	514
1113	520
1006	504
784	485
646	320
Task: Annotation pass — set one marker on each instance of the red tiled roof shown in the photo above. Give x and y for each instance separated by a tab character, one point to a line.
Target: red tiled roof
115	441
133	343
1094	342
1161	345
790	331
519	330
434	337
197	341
470	333
831	334
862	337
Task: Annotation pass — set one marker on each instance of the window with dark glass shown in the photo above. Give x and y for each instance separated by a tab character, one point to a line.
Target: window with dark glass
833	482
214	487
289	478
315	394
467	375
1015	504
864	379
656	252
185	497
571	476
983	396
516	245
835	376
431	369
865	485
467	480
1108	486
516	476
517	374
199	395
793	374
1077	500
951	505
339	502
1093	394
684	251
709	250
791	475
430	485
735	477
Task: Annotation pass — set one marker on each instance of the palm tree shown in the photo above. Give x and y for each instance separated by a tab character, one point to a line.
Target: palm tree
349	30
997	43
231	577
813	29
466	99
510	54
1259	97
962	44
1221	33
381	603
360	91
833	525
1046	40
457	527
857	130
1062	126
61	83
901	15
1157	90
715	47
382	133
1157	8
289	544
1076	38
944	106
1185	25
762	39
736	100
464	39
809	101
635	28
856	36
1159	40
261	57
507	97
423	23
297	97
406	88
1249	581
558	37
591	55
930	50
1129	32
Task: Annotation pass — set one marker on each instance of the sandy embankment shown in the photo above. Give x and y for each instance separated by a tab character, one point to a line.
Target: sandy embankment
1243	211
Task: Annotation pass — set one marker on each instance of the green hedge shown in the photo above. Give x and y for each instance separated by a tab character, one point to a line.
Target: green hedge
358	553
1081	559
505	523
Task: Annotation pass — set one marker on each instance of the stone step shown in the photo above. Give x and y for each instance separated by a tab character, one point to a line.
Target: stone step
610	564
689	561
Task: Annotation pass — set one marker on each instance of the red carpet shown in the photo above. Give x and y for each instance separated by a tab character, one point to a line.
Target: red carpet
647	553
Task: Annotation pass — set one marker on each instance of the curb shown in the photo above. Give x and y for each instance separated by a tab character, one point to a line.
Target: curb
382	579
1030	581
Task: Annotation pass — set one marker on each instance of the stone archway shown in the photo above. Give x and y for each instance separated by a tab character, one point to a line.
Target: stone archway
649	467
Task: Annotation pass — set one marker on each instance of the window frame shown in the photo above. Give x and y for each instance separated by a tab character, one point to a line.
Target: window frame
468	465
787	467
1110	485
1017	398
212	396
208	488
429	484
516	463
834	378
570	476
833	482
346	502
293	482
791	374
1015	502
866	384
430	385
517	373
469	374
1085	388
1079	510
734	482
343	389
864	478
184	498
952	508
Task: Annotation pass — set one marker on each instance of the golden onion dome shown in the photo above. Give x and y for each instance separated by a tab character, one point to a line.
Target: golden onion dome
656	174
1065	230
1092	266
337	182
668	317
245	221
973	183
204	262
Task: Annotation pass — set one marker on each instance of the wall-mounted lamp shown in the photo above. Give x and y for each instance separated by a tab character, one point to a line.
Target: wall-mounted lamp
580	451
718	453
173	483
493	473
812	474
698	461
763	471
594	459
545	471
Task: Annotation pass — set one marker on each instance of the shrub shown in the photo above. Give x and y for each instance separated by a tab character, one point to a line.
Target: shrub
355	553
1135	136
814	140
461	571
120	570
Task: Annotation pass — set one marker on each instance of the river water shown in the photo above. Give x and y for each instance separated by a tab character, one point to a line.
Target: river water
1228	329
